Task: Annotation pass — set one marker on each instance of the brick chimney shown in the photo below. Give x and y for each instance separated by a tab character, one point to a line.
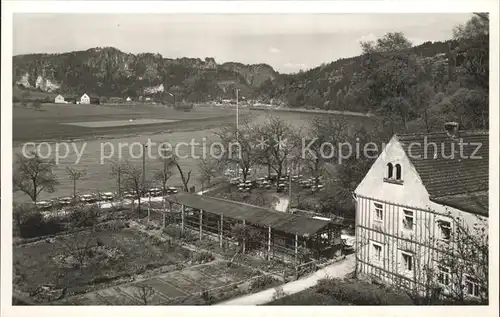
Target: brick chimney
451	129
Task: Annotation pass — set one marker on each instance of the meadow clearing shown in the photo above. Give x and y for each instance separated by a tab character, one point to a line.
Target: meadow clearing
198	125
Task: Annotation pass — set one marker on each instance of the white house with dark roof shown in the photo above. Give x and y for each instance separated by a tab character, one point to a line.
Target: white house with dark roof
422	195
85	99
59	99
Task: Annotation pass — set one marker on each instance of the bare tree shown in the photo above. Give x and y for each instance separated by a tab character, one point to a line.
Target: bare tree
209	168
133	181
75	175
466	258
144	293
34	175
165	173
445	269
278	146
320	145
117	168
81	248
185	178
241	146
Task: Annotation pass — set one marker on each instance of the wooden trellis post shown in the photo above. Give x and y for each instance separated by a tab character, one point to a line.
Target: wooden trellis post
164	213
296	248
183	209
269	244
221	229
244	237
201	224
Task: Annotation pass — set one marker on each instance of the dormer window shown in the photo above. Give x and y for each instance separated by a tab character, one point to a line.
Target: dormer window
398	172
389	170
394	173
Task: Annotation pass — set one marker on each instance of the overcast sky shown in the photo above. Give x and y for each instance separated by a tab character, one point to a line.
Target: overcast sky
286	42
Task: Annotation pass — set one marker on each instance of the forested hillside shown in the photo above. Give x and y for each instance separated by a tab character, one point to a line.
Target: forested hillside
414	87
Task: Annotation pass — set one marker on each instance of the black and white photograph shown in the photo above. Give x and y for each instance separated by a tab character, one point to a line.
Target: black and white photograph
188	158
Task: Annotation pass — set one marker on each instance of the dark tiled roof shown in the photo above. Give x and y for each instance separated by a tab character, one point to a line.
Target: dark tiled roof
476	203
444	174
285	222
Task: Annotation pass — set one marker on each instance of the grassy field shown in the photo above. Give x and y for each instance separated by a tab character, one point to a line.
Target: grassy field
120	254
50	123
98	173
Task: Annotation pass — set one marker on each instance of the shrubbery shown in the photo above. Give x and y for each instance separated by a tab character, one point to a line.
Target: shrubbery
361	293
263	282
203	257
84	216
33	224
114	225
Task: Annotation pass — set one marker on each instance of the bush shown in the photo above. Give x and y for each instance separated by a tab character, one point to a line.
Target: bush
114	225
262	282
278	293
84	217
34	225
361	293
156	241
173	231
203	257
307	297
179	266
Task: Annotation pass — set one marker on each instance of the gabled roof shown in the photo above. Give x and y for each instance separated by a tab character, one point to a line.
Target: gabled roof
476	203
451	179
262	217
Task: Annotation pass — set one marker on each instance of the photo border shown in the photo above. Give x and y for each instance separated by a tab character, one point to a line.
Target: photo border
373	6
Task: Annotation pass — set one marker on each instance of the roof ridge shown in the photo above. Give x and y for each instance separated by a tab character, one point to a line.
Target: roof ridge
233	201
463	194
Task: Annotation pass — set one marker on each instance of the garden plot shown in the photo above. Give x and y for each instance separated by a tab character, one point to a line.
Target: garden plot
50	265
172	285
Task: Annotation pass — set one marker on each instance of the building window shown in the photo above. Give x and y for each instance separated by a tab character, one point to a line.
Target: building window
398	172
407	261
389	170
377	252
443	275
471	286
408	220
379	213
444	230
394	174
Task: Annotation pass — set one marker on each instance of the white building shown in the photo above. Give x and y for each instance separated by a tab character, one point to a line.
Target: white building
59	99
85	99
129	99
414	206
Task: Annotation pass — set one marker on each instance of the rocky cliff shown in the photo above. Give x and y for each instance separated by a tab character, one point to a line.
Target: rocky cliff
108	71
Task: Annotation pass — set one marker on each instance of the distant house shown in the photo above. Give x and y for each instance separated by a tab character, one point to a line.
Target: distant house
59	99
94	101
85	99
129	99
